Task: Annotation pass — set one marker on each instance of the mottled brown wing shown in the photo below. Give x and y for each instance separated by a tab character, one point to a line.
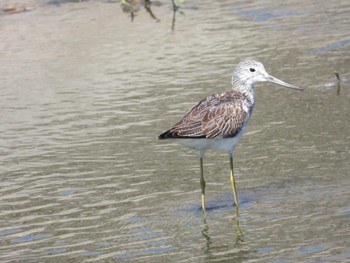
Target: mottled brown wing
217	116
226	121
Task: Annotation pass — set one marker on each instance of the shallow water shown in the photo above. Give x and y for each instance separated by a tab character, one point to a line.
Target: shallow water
85	92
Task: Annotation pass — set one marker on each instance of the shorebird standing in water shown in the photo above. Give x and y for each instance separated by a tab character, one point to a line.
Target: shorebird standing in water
218	121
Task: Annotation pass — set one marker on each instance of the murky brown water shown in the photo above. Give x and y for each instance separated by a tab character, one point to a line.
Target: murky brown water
85	92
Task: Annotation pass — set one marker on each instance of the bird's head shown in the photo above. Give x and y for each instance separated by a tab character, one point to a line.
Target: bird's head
249	72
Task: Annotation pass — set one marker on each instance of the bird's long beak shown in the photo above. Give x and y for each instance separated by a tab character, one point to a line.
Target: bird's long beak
272	79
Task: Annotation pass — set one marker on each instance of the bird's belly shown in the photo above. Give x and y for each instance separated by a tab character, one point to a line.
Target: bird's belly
202	144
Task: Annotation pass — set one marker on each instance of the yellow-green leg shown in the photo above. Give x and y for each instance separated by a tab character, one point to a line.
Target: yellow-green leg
233	181
202	183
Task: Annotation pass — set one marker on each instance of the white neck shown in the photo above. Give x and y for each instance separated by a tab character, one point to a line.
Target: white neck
245	86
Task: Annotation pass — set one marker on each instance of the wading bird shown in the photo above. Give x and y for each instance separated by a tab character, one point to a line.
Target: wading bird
218	121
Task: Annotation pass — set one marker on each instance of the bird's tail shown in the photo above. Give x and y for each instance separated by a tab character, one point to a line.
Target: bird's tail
165	135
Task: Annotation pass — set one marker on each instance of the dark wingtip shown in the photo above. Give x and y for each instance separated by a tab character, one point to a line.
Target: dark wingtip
163	136
174	135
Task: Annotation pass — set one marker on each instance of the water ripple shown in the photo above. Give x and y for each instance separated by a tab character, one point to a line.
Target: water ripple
85	92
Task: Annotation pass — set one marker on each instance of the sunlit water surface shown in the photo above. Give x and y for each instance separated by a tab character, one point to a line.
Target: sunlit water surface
85	92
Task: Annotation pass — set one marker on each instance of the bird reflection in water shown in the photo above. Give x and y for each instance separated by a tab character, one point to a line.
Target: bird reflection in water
134	6
238	233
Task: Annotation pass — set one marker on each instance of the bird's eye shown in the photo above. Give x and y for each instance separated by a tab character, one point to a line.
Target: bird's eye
252	69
